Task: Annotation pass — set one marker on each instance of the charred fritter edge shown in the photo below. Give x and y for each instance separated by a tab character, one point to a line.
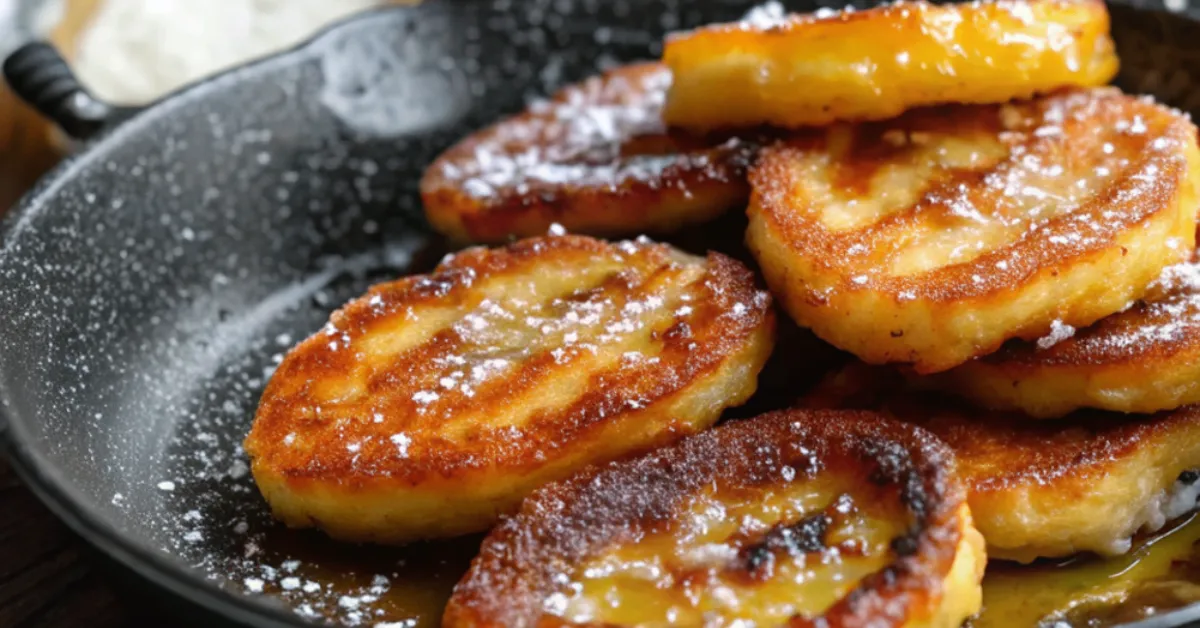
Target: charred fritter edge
879	317
596	158
714	332
1092	479
565	523
812	69
1145	359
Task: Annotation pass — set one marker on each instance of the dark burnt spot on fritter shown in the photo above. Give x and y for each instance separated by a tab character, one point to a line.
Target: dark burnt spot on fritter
892	461
802	537
758	561
894	467
907	544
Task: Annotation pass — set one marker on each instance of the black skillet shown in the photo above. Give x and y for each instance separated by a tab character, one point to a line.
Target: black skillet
148	284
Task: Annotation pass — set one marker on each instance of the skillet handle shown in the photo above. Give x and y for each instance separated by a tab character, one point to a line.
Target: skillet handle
41	77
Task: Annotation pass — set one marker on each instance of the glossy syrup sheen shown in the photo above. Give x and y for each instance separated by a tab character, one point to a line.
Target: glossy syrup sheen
874	64
1157	576
695	573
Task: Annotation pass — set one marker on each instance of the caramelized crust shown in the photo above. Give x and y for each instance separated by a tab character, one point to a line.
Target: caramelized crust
596	158
434	403
1045	488
810	70
1144	359
933	238
792	518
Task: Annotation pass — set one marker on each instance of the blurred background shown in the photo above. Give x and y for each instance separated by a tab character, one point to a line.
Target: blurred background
132	51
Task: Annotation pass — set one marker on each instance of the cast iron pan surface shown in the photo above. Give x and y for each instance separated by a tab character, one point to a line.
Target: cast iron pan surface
149	286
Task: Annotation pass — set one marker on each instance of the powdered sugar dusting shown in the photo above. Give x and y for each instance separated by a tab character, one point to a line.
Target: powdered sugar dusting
1059	331
772	15
1171	314
1179	279
582	138
183	318
1167	319
222	527
765	16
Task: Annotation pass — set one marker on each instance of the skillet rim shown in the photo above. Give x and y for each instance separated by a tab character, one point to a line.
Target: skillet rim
157	569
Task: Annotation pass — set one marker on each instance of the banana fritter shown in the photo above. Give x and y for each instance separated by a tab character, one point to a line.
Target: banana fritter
1085	483
596	158
1144	359
432	404
810	70
935	237
792	518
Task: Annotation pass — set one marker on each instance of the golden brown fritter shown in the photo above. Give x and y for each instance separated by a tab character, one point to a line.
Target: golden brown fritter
810	70
935	237
1144	359
1085	483
596	159
793	518
432	404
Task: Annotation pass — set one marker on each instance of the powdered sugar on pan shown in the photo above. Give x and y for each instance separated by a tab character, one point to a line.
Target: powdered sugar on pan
183	280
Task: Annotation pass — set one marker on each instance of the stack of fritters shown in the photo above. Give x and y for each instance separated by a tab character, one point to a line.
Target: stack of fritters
948	194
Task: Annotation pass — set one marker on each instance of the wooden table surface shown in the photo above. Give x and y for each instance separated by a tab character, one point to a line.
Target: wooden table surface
48	578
